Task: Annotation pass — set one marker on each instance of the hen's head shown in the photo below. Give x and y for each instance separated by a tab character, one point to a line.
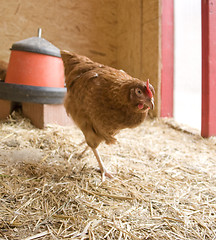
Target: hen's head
141	96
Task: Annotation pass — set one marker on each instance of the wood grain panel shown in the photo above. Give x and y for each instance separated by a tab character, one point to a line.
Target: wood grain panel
87	27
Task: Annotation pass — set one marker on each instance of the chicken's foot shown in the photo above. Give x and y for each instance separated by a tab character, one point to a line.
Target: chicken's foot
104	172
79	155
86	148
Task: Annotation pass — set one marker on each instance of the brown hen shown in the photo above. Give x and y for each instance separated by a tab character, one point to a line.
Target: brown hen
102	100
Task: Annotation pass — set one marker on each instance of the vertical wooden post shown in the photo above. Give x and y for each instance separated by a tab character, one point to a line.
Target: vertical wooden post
167	57
208	68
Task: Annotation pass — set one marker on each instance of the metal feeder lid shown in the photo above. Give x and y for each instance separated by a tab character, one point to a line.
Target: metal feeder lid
37	45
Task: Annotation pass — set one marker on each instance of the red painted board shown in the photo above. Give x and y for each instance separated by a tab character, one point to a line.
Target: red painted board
167	57
208	68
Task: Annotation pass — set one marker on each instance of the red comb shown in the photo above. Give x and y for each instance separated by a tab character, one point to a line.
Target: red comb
149	92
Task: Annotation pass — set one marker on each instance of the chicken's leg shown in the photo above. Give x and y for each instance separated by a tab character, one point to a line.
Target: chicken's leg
104	172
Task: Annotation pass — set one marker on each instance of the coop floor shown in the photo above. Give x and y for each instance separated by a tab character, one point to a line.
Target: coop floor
164	185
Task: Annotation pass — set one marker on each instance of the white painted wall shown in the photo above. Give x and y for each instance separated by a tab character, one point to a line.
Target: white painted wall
187	62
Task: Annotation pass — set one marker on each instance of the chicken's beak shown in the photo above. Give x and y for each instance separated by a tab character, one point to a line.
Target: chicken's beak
151	104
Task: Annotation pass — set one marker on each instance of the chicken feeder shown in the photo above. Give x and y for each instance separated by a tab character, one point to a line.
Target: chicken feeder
35	74
36	62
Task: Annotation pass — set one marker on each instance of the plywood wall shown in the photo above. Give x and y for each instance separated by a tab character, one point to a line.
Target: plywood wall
120	33
87	26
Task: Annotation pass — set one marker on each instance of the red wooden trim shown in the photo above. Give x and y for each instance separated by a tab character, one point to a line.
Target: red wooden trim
208	68
167	57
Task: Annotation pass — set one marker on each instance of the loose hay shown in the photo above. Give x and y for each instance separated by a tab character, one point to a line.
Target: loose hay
164	186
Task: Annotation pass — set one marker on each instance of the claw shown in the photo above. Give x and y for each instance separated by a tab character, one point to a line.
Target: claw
105	174
103	170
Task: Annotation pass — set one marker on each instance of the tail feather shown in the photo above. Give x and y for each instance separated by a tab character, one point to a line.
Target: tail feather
70	61
74	65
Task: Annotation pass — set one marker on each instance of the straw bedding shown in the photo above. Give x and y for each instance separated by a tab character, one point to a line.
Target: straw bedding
164	186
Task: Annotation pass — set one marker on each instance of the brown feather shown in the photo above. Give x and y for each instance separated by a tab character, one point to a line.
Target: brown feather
98	98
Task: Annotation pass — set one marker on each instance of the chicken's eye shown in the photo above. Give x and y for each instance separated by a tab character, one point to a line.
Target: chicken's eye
138	92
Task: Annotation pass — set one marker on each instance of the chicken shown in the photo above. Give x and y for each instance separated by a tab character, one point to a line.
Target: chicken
102	100
3	70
